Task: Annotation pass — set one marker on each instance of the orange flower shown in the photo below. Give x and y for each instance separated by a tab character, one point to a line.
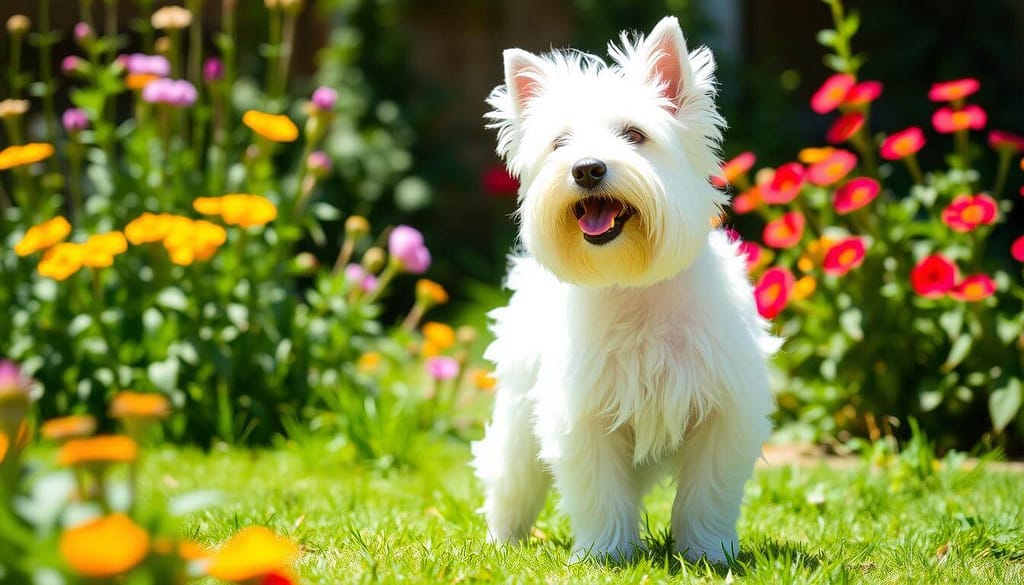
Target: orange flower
253	553
42	236
734	169
187	241
99	250
273	127
809	156
439	334
804	287
484	380
104	547
976	287
5	443
98	450
748	200
902	144
208	205
20	155
430	292
61	261
148	227
247	210
139	81
368	362
832	169
139	405
68	427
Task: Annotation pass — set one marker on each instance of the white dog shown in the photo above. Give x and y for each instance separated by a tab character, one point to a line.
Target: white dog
631	346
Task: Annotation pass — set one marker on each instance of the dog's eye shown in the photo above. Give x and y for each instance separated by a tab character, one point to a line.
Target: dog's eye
560	142
634	136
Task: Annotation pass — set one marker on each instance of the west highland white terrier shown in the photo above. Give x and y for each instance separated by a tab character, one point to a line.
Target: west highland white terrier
631	347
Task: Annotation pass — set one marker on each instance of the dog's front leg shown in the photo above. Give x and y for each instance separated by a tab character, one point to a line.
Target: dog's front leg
595	477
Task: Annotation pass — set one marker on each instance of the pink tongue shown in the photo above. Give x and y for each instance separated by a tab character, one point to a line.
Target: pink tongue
598	215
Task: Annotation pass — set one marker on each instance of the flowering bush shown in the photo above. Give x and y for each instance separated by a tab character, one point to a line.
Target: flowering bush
172	256
894	301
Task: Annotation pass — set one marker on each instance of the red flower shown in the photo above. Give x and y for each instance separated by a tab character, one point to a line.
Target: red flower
832	169
747	201
844	256
278	578
856	193
733	169
933	276
947	120
967	212
772	291
1000	140
784	232
903	143
832	93
785	184
845	127
497	182
976	287
863	93
950	91
1017	249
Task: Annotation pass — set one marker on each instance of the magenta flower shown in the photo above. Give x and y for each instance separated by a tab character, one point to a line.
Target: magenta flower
74	120
324	98
72	64
442	368
213	70
172	92
407	249
497	182
83	33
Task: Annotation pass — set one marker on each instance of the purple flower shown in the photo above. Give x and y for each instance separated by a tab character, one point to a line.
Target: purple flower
72	64
213	70
442	367
74	120
324	98
172	92
142	64
406	247
83	33
355	273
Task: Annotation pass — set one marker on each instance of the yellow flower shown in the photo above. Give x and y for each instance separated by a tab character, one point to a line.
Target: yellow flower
68	427
809	156
368	363
148	227
99	250
139	81
42	236
484	380
187	241
5	443
439	334
430	291
209	205
208	237
252	553
24	154
429	349
247	210
804	287
101	450
171	18
273	127
61	261
139	405
104	547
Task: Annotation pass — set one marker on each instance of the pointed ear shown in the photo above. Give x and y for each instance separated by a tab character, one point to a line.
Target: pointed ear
668	61
524	77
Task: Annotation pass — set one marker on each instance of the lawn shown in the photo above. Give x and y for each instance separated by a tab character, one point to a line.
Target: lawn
906	521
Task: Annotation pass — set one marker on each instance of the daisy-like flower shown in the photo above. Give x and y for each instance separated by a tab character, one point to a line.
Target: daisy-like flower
967	212
785	184
171	18
933	276
855	194
845	127
484	380
188	241
252	554
734	169
61	261
104	547
177	93
785	231
101	451
974	288
99	250
239	209
1005	141
773	290
20	155
844	256
150	405
832	92
42	236
902	144
148	227
947	120
863	94
273	127
68	427
13	108
748	200
832	169
951	91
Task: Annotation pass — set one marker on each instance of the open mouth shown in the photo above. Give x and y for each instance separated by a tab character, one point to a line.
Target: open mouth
601	218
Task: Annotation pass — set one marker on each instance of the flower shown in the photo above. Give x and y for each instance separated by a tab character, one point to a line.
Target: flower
368	362
324	98
832	92
405	244
20	155
734	168
442	368
13	108
247	210
785	231
187	240
845	127
61	261
74	120
138	81
252	553
356	226
803	287
148	227
15	388
753	254
18	24
951	91
809	156
1017	249
319	164
484	380
13	380
172	92
933	276
68	427
785	184
1005	141
42	236
430	292
773	290
99	250
104	547
496	181
748	200
171	18
98	450
902	144
273	127
355	273
947	120
83	33
213	70
863	94
127	405
72	64
440	335
967	212
844	256
142	64
832	169
976	287
855	194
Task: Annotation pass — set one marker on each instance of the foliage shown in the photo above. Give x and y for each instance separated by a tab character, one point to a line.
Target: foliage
893	302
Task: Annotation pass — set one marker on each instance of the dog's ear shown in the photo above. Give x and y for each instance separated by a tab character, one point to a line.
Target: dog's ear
524	77
667	62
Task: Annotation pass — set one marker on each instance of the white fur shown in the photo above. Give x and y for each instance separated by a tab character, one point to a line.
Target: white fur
641	357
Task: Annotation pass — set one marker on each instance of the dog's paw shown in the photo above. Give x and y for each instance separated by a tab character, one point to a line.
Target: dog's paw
720	555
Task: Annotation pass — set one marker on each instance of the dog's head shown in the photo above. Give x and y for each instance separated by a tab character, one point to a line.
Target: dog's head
613	160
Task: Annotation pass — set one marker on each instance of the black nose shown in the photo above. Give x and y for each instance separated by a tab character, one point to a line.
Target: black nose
588	172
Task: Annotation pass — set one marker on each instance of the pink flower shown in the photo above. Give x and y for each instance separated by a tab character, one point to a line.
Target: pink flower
142	64
772	291
1000	140
442	368
74	120
933	276
354	273
12	379
947	120
369	283
863	94
976	287
83	33
785	184
967	212
734	168
748	200
832	169
855	194
844	256
845	127
319	164
213	70
753	254
406	246
902	144
832	93
951	91
1017	249
172	92
785	231
497	182
72	64
324	98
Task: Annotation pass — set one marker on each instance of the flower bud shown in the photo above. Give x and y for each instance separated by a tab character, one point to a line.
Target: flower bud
324	98
356	227
84	34
213	70
318	164
74	120
430	293
466	334
18	25
374	259
72	65
305	264
162	46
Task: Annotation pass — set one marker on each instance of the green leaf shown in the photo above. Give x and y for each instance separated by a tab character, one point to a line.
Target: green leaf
957	354
851	25
172	298
164	375
952	322
827	37
1004	403
835	63
850	321
326	211
1008	329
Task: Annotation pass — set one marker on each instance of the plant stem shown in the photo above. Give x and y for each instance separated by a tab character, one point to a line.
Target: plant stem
914	168
382	282
275	46
14	72
1005	155
284	56
44	76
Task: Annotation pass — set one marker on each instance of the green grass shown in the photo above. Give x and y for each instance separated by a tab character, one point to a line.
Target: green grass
799	525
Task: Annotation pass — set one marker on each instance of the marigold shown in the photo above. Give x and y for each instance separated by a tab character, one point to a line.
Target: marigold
68	427
42	236
252	553
61	261
273	127
785	231
99	250
139	405
208	205
967	212
439	334
785	184
188	241
430	292
98	450
902	144
845	127
104	547
20	155
832	92
855	194
974	288
773	291
734	168
139	81
844	256
148	227
247	210
832	169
